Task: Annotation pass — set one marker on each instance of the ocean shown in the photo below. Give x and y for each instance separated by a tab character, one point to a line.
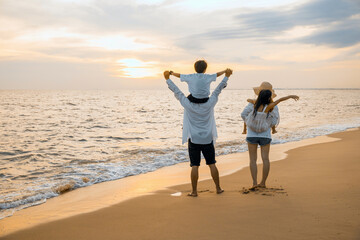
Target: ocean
53	141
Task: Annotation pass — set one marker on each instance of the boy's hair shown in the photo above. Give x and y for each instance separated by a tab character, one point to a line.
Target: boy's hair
200	66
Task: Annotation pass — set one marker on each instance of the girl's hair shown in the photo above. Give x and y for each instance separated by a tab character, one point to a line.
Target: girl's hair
263	99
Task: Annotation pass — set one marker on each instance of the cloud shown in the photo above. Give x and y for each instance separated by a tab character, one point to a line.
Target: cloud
328	17
340	35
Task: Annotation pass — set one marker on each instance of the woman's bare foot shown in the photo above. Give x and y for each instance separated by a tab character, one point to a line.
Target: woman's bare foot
192	194
253	187
219	191
261	185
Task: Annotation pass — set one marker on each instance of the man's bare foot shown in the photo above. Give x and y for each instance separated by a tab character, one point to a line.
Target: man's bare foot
219	191
192	194
261	185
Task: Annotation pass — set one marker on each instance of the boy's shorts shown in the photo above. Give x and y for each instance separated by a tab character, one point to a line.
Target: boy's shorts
258	140
197	100
195	150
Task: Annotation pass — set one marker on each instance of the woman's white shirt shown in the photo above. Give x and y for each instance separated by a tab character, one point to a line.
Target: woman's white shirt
273	115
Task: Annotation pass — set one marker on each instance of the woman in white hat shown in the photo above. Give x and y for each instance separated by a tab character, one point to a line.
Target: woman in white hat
263	86
260	117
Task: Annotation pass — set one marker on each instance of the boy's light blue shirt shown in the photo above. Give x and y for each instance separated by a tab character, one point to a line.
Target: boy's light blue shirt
199	83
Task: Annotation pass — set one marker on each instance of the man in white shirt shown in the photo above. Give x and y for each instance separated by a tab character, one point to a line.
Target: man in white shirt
199	129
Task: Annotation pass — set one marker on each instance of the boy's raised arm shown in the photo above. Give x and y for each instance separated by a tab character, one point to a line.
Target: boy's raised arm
175	74
220	73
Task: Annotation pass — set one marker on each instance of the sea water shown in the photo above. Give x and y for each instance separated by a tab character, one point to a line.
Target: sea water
52	141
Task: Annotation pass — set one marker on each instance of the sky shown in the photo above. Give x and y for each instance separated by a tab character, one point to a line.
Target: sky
109	44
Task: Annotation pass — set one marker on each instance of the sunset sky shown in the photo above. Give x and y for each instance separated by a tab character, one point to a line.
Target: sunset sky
108	44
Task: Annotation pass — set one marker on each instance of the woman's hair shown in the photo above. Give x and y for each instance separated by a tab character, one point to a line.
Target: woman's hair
263	99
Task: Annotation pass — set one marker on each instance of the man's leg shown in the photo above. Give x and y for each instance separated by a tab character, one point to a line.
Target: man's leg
208	151
194	180
253	168
215	176
195	157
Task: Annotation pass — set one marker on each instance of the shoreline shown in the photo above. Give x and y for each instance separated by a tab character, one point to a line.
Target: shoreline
108	194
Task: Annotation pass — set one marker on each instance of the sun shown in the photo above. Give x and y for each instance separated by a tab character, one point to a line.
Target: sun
134	68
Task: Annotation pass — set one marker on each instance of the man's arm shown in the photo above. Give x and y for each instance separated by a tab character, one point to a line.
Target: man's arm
214	96
177	92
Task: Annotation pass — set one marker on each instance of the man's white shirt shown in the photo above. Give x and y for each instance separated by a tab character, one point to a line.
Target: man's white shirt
199	120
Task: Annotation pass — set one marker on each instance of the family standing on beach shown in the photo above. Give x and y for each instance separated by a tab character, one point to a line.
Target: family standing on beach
199	127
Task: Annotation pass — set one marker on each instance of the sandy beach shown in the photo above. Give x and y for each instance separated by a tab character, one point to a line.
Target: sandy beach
313	194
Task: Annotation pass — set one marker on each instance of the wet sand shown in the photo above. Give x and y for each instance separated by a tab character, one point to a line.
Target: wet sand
313	194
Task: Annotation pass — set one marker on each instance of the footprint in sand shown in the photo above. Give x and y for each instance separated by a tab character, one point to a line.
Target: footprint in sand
272	191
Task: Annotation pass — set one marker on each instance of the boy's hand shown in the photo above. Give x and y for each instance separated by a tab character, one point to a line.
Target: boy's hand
166	75
228	72
295	97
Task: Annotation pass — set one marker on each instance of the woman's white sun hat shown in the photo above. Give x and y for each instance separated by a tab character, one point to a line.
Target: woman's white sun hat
265	86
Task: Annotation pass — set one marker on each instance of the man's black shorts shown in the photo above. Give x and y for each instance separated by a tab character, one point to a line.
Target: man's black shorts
195	150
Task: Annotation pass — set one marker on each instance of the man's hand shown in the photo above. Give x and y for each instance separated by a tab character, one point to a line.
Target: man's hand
228	72
166	75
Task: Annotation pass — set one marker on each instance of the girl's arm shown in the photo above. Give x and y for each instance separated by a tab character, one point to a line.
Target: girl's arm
251	101
175	74
273	104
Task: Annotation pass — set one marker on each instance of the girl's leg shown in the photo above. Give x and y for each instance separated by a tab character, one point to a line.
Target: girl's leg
266	163
253	156
244	130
